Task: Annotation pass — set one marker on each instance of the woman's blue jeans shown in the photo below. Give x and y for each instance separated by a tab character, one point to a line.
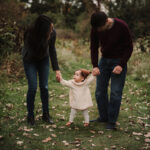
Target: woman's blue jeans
33	70
109	107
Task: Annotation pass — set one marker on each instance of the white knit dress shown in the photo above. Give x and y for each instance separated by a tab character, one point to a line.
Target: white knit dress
79	94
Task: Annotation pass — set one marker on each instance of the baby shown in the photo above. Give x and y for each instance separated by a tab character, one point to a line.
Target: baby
79	95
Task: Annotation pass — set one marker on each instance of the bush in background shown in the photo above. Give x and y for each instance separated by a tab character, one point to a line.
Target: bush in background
10	32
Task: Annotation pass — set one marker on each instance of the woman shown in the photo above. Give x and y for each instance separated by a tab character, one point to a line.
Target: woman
39	44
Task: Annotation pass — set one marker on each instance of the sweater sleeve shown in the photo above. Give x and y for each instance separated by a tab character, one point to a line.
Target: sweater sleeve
52	51
94	45
128	45
90	79
66	83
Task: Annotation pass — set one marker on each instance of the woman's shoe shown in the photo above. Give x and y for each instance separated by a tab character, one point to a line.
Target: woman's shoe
46	118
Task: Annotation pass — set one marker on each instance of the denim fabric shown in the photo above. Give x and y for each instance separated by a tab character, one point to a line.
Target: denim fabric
33	71
109	107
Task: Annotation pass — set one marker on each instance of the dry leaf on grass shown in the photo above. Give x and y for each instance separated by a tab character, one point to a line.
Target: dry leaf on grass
147	135
100	132
113	147
147	125
19	143
36	134
147	140
10	106
137	138
54	126
93	145
1	137
138	134
53	135
92	131
47	140
65	143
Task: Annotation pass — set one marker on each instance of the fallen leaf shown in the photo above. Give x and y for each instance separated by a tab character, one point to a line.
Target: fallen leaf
53	135
77	145
147	140
61	96
109	136
90	140
138	134
65	143
137	138
25	134
92	131
47	140
100	132
54	126
36	134
147	125
1	137
93	145
147	135
19	143
117	123
28	130
10	106
113	147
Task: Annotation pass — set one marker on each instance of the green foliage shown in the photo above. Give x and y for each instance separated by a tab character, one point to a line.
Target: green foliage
10	32
6	42
83	25
57	18
134	12
26	21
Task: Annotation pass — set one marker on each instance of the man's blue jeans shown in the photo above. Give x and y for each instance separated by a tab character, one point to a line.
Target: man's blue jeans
33	70
109	107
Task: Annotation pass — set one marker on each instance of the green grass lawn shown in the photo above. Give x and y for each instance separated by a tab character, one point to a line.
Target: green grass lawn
133	122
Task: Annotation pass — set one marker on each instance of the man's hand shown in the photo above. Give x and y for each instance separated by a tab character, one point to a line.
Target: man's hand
96	71
58	75
117	70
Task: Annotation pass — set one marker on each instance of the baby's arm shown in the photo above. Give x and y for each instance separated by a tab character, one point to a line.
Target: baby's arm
65	82
90	79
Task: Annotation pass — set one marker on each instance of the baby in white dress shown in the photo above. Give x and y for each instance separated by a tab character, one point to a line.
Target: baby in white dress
79	95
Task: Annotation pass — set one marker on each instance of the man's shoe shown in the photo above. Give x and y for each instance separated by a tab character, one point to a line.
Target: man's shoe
99	120
46	118
30	120
111	126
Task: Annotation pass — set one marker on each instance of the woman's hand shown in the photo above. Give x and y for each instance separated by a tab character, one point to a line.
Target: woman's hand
117	70
96	71
58	75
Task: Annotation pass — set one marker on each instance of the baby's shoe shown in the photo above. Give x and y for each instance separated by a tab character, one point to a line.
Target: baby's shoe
86	124
69	124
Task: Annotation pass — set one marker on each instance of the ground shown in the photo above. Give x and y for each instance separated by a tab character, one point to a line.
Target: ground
133	123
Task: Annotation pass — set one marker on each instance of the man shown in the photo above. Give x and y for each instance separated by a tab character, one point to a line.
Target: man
113	35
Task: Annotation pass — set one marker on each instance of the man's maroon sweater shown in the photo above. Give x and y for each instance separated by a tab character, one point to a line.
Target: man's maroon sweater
115	43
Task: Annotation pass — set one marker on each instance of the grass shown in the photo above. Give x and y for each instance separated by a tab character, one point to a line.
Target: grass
15	134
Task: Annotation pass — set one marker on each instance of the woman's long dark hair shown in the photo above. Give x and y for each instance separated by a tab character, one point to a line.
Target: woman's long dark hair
38	35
